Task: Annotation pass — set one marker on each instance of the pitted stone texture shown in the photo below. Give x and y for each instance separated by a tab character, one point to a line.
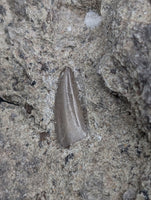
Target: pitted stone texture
38	39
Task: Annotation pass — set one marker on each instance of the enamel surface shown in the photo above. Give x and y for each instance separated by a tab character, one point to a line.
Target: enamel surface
69	121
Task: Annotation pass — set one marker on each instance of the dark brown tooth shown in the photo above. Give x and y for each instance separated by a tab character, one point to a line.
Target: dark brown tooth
69	120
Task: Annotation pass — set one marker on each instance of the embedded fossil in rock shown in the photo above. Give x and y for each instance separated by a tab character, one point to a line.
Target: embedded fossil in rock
70	124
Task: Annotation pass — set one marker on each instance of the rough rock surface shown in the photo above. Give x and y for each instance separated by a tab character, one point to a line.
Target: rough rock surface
126	61
38	39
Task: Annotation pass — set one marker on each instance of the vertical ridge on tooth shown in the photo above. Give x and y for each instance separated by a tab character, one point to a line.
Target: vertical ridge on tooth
69	120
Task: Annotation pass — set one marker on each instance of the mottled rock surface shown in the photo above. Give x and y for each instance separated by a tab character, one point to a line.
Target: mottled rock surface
38	39
126	61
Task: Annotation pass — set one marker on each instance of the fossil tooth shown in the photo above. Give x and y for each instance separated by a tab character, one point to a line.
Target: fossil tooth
69	120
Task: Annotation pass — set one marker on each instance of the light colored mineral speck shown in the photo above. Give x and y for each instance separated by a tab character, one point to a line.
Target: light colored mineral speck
92	19
69	28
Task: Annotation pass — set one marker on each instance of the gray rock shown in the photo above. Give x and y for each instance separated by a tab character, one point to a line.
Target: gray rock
126	63
37	40
130	194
